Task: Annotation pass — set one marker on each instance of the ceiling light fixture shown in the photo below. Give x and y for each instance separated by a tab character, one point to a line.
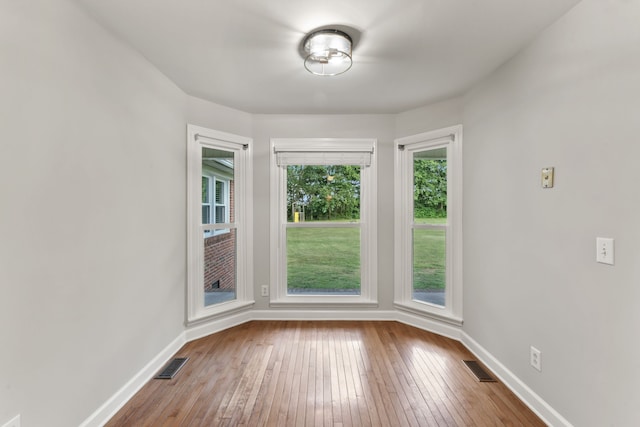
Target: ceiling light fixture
328	52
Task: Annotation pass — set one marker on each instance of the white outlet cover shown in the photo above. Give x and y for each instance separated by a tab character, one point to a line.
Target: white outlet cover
535	358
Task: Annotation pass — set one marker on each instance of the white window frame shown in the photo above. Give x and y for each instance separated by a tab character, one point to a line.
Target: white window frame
213	192
368	224
197	138
451	139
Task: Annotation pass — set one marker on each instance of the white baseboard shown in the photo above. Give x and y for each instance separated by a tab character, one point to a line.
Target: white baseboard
103	414
430	325
216	325
549	415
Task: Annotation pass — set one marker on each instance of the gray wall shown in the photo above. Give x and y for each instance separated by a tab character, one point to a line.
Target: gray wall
570	100
218	117
434	116
92	224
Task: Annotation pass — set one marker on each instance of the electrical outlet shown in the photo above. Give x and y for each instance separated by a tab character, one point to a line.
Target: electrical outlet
535	358
15	422
265	290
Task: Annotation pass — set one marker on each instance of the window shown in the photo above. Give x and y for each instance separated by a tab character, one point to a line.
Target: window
428	246
219	217
215	198
323	222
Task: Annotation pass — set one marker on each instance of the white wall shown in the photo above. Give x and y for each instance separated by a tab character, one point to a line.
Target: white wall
92	220
430	117
570	100
217	117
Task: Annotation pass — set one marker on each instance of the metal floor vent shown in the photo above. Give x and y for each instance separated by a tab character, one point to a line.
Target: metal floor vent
172	368
478	371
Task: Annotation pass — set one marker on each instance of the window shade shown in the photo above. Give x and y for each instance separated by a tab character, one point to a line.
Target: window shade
323	155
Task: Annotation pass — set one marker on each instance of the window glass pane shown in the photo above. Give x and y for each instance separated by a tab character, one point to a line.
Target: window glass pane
323	261
232	210
429	266
430	186
206	214
220	268
220	214
323	193
219	167
220	196
205	190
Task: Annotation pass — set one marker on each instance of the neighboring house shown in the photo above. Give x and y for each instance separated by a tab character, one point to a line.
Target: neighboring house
217	208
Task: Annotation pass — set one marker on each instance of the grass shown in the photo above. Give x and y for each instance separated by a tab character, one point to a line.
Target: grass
429	259
430	220
329	258
323	258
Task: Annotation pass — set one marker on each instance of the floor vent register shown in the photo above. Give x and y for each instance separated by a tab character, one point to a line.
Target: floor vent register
172	368
478	371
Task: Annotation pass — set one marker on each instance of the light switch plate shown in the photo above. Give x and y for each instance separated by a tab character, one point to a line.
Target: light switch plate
604	250
547	177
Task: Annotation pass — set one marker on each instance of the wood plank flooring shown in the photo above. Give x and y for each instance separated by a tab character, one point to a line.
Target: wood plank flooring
329	373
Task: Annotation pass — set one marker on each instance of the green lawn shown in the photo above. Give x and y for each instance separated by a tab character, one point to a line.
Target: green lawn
329	258
429	259
430	220
323	258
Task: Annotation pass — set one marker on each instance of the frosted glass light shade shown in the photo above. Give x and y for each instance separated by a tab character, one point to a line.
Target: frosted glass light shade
328	52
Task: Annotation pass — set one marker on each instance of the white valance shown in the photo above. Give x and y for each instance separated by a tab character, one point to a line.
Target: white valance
323	153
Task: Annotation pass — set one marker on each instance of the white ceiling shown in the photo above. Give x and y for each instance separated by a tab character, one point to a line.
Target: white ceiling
244	54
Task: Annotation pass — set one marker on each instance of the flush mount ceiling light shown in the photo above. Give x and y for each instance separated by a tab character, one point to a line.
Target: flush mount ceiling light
328	52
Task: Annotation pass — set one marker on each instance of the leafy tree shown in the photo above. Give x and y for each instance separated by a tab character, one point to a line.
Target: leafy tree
325	192
333	192
430	188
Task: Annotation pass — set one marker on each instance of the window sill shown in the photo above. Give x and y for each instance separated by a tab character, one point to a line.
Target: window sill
442	316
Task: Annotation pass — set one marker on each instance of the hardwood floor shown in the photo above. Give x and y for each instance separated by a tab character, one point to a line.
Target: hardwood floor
330	373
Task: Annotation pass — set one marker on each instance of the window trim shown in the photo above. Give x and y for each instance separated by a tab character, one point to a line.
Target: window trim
198	137
368	224
450	137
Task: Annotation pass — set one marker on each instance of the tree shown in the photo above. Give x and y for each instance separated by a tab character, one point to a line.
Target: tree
325	192
430	188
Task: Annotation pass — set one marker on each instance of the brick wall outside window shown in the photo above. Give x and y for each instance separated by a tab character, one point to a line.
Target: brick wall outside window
220	255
